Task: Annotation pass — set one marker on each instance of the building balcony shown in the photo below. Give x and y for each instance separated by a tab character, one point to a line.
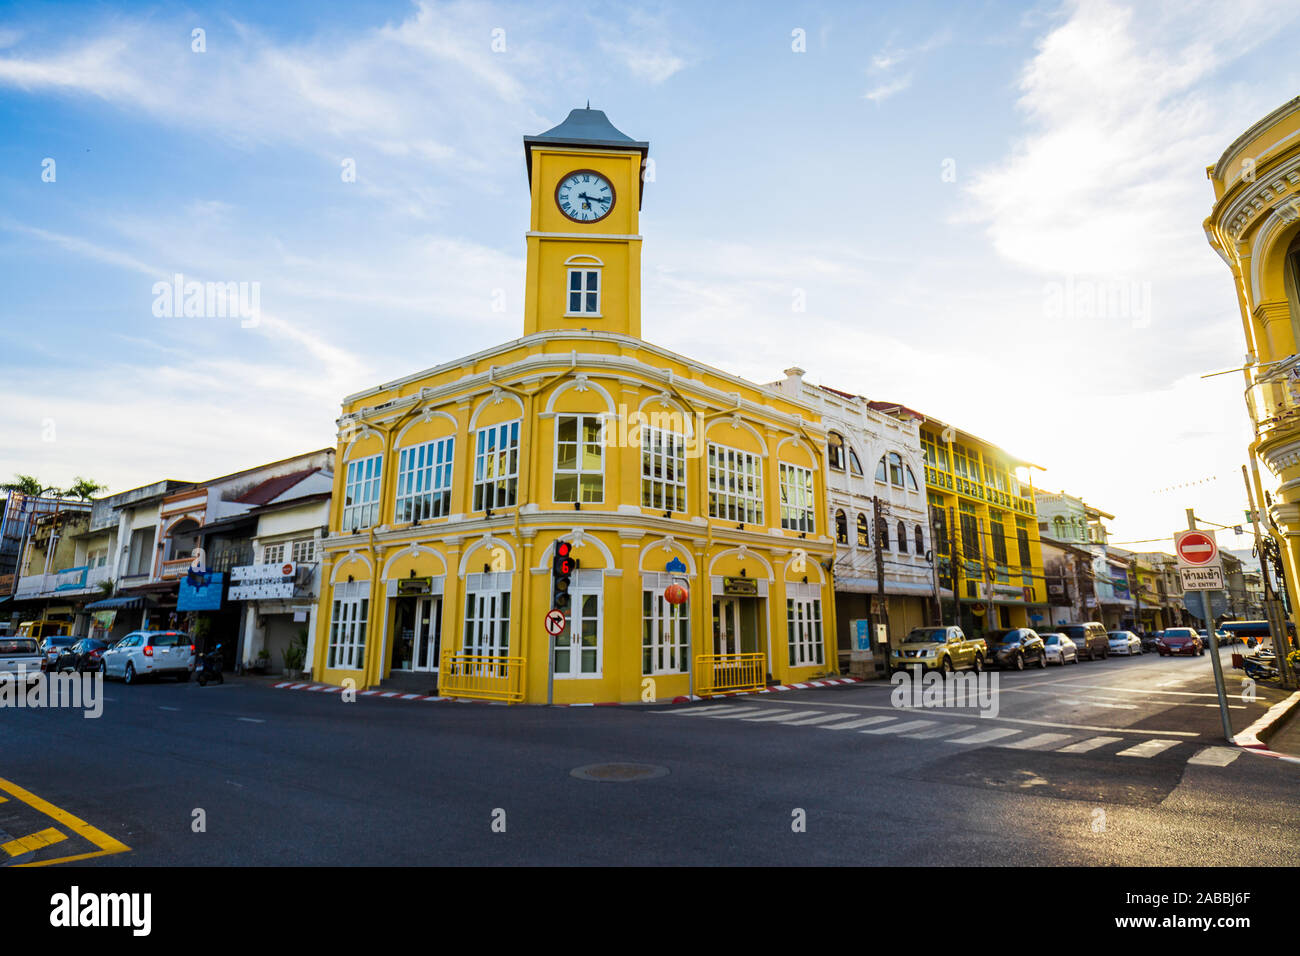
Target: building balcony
68	582
1274	402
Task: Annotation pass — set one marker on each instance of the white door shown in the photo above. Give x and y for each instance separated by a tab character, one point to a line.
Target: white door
726	626
428	633
577	648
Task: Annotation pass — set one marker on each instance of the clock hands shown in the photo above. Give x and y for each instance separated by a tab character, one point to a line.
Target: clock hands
593	198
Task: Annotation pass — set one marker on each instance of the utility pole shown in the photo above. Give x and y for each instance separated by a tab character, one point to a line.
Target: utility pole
1137	593
1276	621
953	565
1214	648
878	527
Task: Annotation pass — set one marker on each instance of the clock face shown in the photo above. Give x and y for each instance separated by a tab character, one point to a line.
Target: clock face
585	196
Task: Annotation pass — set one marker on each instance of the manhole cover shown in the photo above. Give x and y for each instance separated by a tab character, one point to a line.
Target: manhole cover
618	772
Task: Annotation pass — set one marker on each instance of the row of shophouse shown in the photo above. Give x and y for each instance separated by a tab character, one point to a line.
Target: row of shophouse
726	533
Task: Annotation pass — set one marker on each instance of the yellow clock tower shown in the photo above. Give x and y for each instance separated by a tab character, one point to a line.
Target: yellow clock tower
691	500
584	250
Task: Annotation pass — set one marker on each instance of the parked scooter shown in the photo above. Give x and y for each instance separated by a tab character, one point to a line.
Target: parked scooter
209	668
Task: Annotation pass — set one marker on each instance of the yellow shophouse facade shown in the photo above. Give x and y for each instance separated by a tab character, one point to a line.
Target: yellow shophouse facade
985	529
455	484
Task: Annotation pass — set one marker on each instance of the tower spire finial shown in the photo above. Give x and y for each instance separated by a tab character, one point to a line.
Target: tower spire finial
589	102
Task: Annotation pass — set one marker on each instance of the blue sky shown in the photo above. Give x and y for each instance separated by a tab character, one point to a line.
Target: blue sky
1075	138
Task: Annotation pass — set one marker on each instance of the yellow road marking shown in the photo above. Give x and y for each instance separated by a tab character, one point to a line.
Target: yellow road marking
46	837
107	845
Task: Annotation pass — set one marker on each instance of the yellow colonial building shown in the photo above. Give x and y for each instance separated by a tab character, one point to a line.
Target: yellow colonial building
1255	228
456	483
985	531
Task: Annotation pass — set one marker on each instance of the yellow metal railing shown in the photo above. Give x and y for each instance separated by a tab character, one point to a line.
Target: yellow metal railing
729	673
481	677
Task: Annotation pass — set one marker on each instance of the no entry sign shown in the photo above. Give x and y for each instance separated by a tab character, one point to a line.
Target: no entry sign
1196	549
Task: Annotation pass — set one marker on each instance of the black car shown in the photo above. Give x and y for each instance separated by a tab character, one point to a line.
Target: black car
1151	640
80	657
1016	647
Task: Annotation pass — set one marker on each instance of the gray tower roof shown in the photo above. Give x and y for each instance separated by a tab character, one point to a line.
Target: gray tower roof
584	128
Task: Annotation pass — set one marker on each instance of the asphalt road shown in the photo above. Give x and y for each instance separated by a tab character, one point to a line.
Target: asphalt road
1116	762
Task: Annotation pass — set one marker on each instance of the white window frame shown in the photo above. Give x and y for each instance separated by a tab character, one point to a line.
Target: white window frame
487	615
576	620
577	470
728	470
804	632
504	483
668	655
424	477
798	498
584	289
273	553
304	551
667	449
348	622
361	492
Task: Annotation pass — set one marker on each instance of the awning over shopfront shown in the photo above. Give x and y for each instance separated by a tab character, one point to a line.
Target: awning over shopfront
121	604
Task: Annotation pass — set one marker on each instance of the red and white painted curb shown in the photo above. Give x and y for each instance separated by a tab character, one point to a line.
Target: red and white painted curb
398	695
1248	740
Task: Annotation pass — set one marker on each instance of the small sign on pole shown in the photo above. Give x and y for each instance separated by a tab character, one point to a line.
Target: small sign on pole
554	622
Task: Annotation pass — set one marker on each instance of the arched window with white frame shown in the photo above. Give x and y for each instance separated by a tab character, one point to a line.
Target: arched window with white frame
582	286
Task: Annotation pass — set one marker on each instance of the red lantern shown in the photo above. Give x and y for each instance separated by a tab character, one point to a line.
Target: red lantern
676	594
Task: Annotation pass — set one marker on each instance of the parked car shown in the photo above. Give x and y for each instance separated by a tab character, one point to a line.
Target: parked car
939	648
1125	642
1060	649
149	654
1090	639
1222	636
21	656
82	656
1151	640
52	647
1016	647
1180	641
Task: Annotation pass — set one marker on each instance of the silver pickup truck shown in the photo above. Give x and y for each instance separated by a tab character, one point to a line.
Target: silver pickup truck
20	656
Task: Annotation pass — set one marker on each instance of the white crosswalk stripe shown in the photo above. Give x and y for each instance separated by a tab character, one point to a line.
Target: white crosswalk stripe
694	711
899	728
1148	748
854	724
732	713
1092	743
986	736
1215	756
1036	742
812	719
944	730
781	716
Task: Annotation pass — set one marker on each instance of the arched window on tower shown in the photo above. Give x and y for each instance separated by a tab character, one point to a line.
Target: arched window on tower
855	466
864	533
902	538
841	528
920	541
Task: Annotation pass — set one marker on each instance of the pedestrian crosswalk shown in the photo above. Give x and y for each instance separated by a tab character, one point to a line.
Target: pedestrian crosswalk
964	732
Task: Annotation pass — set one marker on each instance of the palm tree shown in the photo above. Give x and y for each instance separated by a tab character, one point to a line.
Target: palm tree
84	488
27	485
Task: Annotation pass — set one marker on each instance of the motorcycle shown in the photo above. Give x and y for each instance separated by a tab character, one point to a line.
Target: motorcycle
209	668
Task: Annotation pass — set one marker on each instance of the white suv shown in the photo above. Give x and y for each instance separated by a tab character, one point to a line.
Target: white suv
150	653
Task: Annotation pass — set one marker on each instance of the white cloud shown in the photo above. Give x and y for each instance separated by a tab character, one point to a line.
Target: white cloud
878	94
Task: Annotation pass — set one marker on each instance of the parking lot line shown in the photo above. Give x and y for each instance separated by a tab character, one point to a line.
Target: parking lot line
47	837
943	731
859	722
80	828
985	736
900	728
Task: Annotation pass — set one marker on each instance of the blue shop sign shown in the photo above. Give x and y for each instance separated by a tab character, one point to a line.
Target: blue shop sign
202	596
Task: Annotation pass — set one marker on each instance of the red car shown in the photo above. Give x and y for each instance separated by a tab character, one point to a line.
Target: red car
1180	641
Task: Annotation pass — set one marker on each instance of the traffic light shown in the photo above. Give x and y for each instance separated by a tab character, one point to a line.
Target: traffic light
562	567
